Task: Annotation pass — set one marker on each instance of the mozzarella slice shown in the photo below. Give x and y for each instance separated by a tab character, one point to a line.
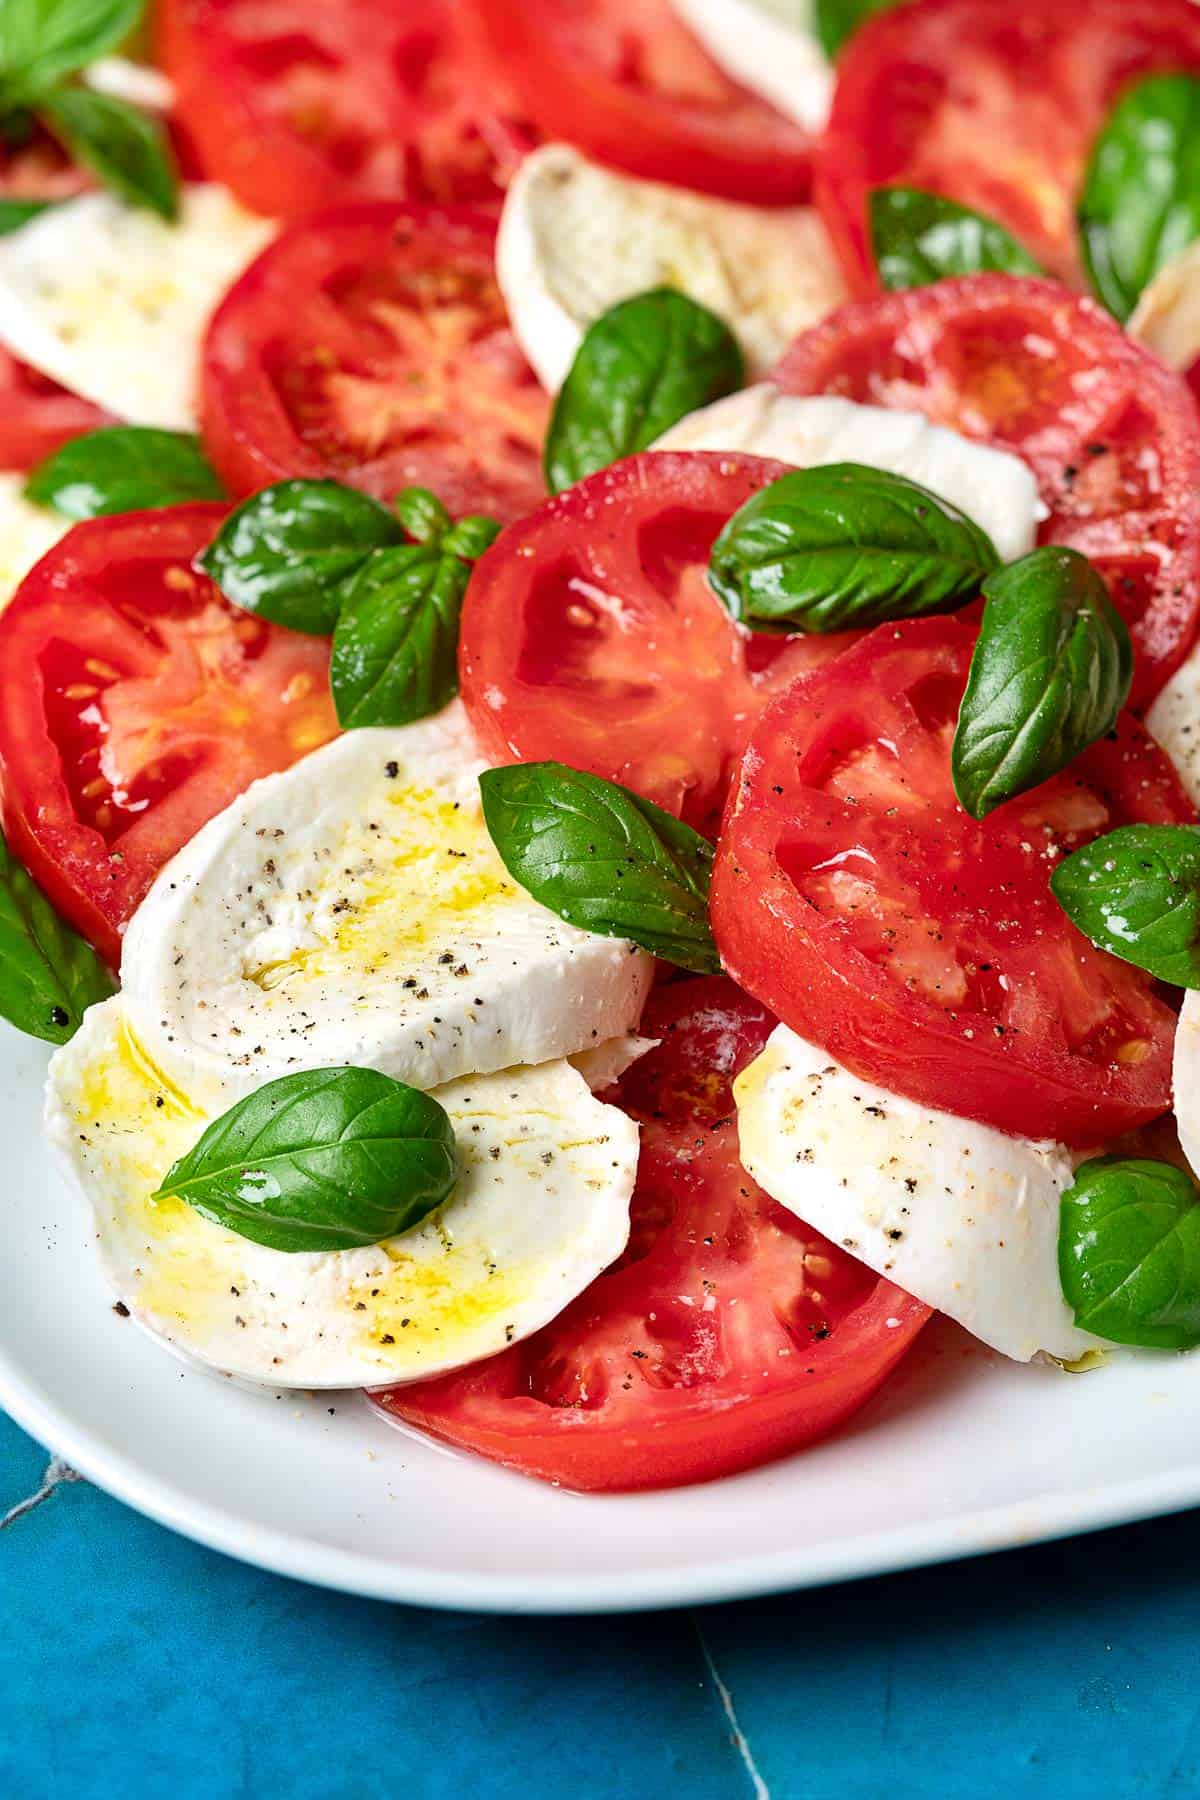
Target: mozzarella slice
771	47
26	533
354	910
136	83
961	1216
1186	1078
112	302
1167	317
993	487
1174	720
546	1173
575	238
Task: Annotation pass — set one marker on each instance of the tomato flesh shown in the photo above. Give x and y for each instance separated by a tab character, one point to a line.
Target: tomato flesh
727	1334
923	949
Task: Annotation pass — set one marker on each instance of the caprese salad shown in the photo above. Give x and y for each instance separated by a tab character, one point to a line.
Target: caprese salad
599	693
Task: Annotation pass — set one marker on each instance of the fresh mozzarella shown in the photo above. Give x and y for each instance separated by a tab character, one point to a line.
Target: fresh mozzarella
993	487
961	1216
26	533
1174	720
575	238
1186	1078
354	910
112	302
1167	317
607	1063
136	83
771	47
541	1206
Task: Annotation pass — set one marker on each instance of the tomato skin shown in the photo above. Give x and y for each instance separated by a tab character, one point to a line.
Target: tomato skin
1111	435
677	1364
993	103
37	416
923	949
626	82
136	704
370	345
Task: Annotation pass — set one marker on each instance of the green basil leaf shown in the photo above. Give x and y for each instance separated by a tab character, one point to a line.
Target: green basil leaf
48	975
395	646
641	367
328	1159
292	551
15	213
127	149
918	238
422	515
1129	1252
1141	198
123	468
1050	672
1136	893
844	547
604	859
838	20
43	40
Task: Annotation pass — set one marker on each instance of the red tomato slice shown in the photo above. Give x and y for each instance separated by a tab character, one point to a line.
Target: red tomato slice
993	103
371	345
37	416
298	104
1112	437
630	85
136	703
925	951
590	634
728	1333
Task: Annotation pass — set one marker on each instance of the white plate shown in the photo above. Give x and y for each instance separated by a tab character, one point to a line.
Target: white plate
963	1452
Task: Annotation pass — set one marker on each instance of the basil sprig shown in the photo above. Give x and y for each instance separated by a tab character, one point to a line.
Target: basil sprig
918	238
1141	199
123	468
43	44
48	975
641	367
15	213
327	1159
1051	671
845	547
1129	1252
395	645
1136	893
837	20
604	859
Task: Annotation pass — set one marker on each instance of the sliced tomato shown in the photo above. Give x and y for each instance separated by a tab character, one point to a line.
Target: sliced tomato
728	1333
629	84
1112	437
300	104
922	949
136	703
371	345
590	634
993	103
37	416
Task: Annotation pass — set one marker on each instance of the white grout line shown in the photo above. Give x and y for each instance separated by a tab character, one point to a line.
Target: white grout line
761	1790
57	1472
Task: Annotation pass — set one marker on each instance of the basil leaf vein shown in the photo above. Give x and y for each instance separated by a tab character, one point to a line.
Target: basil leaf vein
128	149
604	859
1136	893
1129	1252
41	41
918	238
48	975
327	1159
123	468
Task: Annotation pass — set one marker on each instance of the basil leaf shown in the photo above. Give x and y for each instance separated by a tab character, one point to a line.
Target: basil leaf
837	20
641	367
918	238
292	551
844	547
127	149
328	1159
1129	1252
603	858
48	975
15	213
1136	893
1051	671
43	40
1141	198
123	468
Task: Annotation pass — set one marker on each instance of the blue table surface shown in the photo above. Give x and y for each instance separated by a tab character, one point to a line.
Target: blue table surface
132	1661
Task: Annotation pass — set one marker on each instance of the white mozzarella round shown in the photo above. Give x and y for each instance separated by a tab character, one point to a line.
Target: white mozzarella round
991	486
112	302
1186	1078
771	47
1167	317
575	238
136	83
1174	720
26	533
353	909
541	1207
961	1216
